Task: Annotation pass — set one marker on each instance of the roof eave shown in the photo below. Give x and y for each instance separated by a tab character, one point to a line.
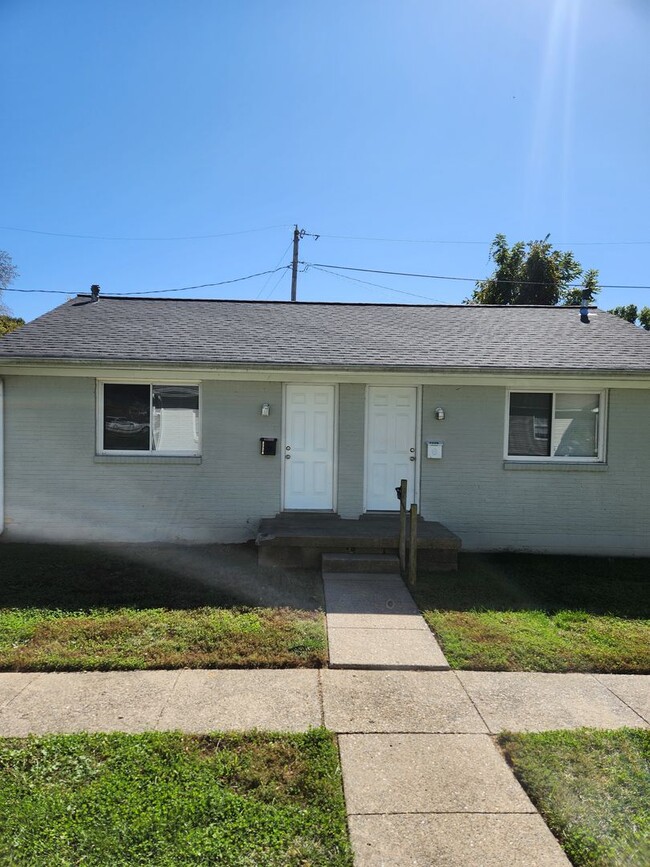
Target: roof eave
196	364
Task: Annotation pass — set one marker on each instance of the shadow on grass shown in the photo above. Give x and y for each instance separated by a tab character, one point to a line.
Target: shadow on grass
531	582
75	577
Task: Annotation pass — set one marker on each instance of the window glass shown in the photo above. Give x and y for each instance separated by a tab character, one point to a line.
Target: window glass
175	418
126	417
575	426
529	424
148	418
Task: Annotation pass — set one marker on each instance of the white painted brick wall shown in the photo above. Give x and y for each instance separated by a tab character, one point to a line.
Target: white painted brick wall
563	510
352	416
55	489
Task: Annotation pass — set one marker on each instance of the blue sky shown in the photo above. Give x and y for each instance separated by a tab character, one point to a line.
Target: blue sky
424	120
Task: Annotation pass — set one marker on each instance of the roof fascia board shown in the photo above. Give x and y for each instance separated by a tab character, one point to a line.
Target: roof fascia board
180	373
217	369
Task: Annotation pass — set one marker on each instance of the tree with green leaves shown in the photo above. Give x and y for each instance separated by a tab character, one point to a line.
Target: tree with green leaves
533	273
630	313
9	323
644	318
8	272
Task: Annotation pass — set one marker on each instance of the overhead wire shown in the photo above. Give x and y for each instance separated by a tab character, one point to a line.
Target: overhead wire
377	285
325	267
462	279
153	291
480	243
400	240
266	282
145	238
277	283
380	239
319	266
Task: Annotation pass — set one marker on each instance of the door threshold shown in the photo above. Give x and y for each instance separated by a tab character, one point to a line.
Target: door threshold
308	512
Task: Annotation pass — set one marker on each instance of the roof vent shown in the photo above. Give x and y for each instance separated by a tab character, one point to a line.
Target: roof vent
94	292
584	306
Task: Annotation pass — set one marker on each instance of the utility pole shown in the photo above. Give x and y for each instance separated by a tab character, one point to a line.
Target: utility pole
298	234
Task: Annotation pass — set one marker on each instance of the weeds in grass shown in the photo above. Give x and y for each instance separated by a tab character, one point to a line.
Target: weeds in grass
593	789
170	799
45	640
537	641
537	613
76	607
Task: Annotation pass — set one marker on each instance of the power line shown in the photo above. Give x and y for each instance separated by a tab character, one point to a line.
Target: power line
40	291
462	279
268	279
477	243
602	243
320	266
439	241
154	291
278	281
169	238
400	240
378	285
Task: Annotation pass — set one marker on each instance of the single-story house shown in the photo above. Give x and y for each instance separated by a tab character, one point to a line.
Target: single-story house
518	428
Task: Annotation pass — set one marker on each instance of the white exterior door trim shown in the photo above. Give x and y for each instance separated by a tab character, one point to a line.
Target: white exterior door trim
335	447
413	496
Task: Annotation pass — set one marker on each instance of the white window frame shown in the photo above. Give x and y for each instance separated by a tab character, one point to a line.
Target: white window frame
559	459
100	450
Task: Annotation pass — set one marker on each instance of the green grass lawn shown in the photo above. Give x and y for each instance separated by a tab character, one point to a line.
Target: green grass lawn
126	639
71	608
539	613
65	608
167	800
592	788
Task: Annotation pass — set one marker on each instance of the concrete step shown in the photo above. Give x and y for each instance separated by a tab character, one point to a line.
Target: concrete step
372	563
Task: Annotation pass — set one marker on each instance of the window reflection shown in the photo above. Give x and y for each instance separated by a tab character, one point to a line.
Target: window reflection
163	418
530	416
175	418
540	427
126	417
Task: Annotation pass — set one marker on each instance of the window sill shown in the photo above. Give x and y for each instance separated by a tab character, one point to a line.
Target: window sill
555	466
186	460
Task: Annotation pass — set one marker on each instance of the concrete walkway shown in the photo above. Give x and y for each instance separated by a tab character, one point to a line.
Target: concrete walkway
424	782
373	623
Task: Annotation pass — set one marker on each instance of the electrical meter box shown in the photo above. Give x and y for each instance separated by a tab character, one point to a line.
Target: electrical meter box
434	449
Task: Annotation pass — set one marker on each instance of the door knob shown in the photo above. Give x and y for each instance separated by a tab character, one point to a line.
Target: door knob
287	457
412	458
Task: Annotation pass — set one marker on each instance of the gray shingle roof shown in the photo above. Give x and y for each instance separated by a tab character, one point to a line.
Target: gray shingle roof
281	334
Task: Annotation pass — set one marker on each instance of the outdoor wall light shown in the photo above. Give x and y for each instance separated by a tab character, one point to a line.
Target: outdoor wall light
266	409
439	413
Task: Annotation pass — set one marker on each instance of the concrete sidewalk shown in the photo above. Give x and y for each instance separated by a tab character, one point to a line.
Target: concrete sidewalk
424	782
361	702
373	623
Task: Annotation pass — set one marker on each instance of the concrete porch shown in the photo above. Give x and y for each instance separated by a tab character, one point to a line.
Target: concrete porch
299	539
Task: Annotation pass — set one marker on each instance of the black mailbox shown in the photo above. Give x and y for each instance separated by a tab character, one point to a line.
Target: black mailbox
268	445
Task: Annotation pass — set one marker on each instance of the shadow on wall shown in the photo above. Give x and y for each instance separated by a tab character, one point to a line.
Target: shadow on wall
76	577
128	512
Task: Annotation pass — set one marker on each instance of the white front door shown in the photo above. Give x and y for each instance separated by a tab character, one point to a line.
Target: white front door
308	451
391	444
